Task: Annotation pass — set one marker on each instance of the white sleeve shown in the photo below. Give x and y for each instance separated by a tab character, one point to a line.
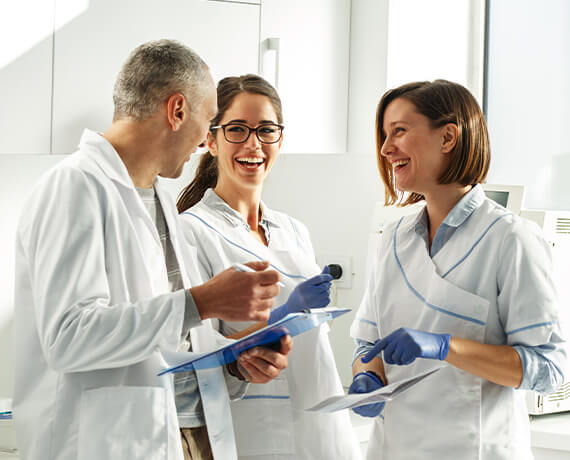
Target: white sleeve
62	245
527	300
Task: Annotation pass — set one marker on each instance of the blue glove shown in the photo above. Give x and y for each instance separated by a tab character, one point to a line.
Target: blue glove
312	293
404	345
365	382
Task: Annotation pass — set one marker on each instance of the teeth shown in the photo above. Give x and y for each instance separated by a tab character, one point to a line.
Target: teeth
400	163
251	160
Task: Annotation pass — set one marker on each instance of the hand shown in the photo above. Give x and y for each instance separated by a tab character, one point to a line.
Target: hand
404	345
365	382
262	364
238	296
312	293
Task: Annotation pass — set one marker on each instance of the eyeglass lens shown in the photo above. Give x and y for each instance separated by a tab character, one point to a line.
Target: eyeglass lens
267	133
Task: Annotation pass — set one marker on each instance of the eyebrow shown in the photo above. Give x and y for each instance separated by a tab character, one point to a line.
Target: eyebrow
245	122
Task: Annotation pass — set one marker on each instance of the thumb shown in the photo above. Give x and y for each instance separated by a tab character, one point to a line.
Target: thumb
258	266
326	270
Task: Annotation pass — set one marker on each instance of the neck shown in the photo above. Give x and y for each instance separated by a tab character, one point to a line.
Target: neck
243	200
440	202
138	143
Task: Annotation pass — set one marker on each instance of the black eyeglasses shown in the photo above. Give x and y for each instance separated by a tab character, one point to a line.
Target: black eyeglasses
237	133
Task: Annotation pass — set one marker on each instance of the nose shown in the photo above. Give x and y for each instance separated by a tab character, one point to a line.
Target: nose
252	140
387	147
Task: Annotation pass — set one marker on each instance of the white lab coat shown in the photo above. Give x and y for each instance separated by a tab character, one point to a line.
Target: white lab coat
270	422
489	283
92	312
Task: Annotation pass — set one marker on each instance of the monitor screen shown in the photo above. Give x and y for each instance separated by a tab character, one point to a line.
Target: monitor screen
500	197
508	196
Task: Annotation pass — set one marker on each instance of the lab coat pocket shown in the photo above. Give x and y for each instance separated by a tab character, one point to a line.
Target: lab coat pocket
123	422
263	420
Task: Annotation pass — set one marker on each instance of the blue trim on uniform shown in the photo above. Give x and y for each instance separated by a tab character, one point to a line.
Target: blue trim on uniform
468	253
265	397
418	295
532	326
367	321
288	275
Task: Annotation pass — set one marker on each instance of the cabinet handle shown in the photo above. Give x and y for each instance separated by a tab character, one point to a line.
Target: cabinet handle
269	44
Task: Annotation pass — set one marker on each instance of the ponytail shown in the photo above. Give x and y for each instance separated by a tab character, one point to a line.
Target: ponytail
206	177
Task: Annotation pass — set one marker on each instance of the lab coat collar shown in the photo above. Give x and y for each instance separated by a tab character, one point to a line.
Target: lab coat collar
458	214
104	154
465	207
212	200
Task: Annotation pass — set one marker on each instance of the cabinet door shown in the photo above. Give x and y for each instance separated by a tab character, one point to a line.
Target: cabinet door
311	70
90	50
26	28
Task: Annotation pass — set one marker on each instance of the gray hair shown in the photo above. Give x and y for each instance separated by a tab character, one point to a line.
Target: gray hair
152	73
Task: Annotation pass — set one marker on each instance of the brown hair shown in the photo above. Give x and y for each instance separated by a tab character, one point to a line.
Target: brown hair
207	172
442	102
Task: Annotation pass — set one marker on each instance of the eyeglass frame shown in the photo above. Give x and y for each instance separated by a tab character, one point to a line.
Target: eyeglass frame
233	123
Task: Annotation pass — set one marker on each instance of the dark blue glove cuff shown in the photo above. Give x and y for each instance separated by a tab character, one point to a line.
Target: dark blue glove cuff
444	350
373	375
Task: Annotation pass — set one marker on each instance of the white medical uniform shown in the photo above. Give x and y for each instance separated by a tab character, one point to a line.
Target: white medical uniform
92	312
269	421
489	283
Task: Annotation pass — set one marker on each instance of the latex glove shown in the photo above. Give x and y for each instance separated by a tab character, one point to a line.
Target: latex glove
312	293
404	345
365	382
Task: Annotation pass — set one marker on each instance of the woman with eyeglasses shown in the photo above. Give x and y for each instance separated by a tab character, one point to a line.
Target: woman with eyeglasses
226	221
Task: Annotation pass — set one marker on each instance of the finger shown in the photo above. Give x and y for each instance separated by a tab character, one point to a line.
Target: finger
267	277
258	265
254	376
286	344
326	270
266	292
376	349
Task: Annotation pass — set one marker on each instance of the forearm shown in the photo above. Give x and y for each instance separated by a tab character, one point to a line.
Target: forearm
499	364
376	366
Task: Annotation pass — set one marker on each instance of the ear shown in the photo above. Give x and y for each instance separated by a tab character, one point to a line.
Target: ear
176	111
450	133
212	146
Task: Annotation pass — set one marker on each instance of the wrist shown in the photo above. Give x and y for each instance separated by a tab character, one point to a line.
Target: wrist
201	300
372	375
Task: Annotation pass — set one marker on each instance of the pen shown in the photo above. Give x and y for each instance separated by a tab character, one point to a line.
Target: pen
245	268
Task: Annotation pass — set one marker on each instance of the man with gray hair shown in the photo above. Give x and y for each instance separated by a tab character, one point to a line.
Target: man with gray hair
105	284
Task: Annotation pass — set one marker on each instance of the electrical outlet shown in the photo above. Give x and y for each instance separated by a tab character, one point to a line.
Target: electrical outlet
345	281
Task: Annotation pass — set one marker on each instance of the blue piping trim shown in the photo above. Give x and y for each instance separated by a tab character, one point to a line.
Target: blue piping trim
476	243
288	275
265	397
532	326
419	296
366	321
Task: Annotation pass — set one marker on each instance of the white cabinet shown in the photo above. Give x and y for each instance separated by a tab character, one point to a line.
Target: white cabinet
310	66
90	50
26	29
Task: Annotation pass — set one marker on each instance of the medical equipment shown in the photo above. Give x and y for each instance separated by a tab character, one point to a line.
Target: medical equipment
245	268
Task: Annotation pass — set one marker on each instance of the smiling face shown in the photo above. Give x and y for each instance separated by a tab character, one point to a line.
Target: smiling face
244	165
415	150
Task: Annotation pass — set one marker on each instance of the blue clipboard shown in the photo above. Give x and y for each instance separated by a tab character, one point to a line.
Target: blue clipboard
293	324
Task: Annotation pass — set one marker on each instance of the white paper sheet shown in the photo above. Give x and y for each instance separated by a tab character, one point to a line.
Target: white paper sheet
387	393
